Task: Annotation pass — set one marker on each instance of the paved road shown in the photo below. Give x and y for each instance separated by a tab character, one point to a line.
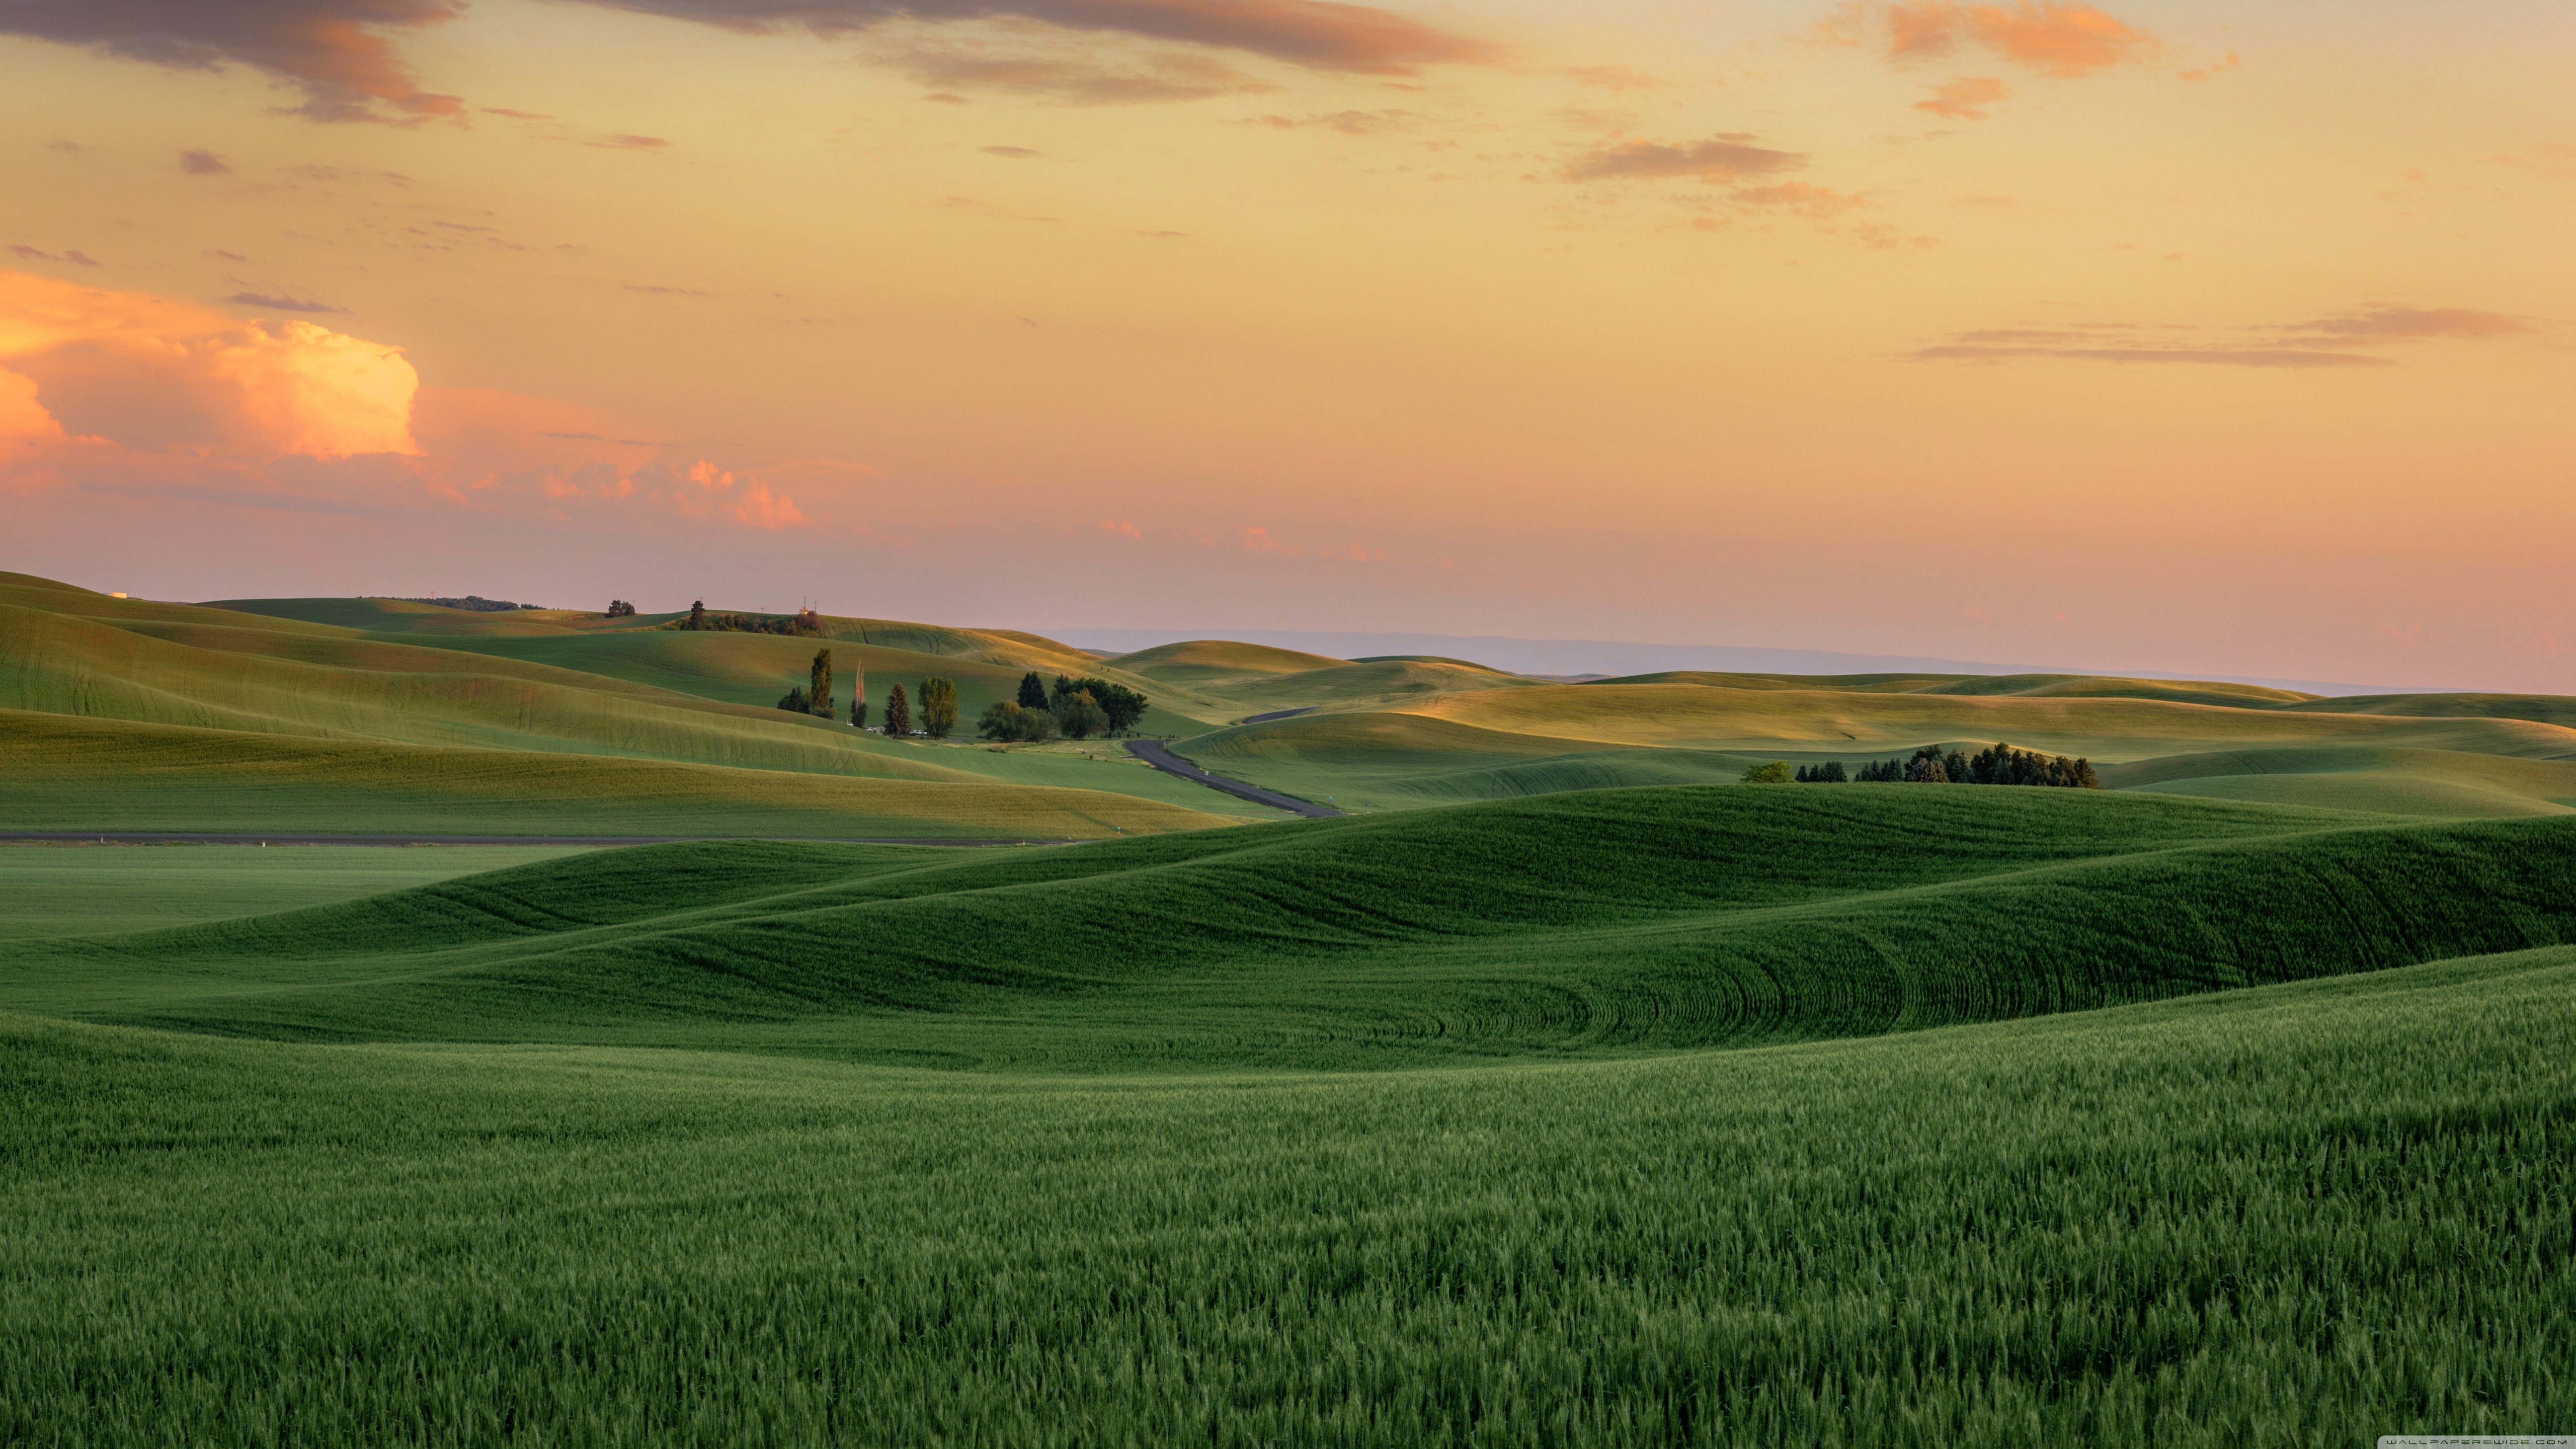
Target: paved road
1276	714
1153	753
128	837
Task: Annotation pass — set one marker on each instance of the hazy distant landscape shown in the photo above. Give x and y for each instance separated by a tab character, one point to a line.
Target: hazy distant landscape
1566	1086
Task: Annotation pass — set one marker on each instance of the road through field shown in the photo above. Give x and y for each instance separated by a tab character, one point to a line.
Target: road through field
1153	753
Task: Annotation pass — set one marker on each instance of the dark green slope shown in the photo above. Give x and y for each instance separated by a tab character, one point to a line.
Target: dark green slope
1614	922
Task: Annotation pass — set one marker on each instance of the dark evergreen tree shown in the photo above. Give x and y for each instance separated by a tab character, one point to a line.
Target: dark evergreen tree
1033	691
698	614
795	702
818	692
898	714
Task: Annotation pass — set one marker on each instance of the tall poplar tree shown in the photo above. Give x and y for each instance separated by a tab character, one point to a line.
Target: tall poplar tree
819	692
898	714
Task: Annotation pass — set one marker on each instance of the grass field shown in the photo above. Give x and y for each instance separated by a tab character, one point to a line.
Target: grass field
637	1144
56	890
60	772
1566	1093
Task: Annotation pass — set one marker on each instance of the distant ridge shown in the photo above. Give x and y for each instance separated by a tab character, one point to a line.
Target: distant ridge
1602	657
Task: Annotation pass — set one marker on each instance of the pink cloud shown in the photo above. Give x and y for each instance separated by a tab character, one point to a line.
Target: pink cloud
127	393
1965	99
2055	39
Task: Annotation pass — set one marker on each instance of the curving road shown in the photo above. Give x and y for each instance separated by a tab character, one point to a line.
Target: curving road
1153	753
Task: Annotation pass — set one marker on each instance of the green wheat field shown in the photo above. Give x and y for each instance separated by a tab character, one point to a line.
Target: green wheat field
1564	1091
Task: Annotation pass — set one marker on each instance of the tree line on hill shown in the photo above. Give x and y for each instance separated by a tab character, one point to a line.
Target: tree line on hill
1077	708
474	603
808	624
1997	764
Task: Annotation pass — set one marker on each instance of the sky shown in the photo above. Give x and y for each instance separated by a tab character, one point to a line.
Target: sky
2165	335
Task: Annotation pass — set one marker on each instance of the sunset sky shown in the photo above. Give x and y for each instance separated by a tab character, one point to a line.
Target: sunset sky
2176	336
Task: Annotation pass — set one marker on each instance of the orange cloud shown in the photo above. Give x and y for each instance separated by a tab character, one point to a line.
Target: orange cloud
1816	203
1724	157
2062	40
134	393
2203	73
1965	99
145	372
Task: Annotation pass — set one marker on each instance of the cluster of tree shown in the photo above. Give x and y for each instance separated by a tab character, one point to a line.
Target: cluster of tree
1997	764
809	623
475	602
815	697
1828	773
937	701
620	609
1079	708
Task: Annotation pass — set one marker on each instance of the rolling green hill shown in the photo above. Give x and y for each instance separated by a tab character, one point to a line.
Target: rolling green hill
1604	922
64	773
85	677
1736	1116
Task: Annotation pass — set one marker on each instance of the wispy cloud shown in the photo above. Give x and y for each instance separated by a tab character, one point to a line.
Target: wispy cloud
665	291
1349	123
202	163
1011	153
334	50
2210	356
285	304
78	259
2325	343
2062	40
341	53
2392	324
1724	157
624	142
1816	203
1076	74
1969	98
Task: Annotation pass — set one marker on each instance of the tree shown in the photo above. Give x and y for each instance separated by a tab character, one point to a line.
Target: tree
1080	716
620	609
819	692
1122	705
1006	720
1774	773
1927	767
794	702
859	701
938	706
698	614
898	714
1033	694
